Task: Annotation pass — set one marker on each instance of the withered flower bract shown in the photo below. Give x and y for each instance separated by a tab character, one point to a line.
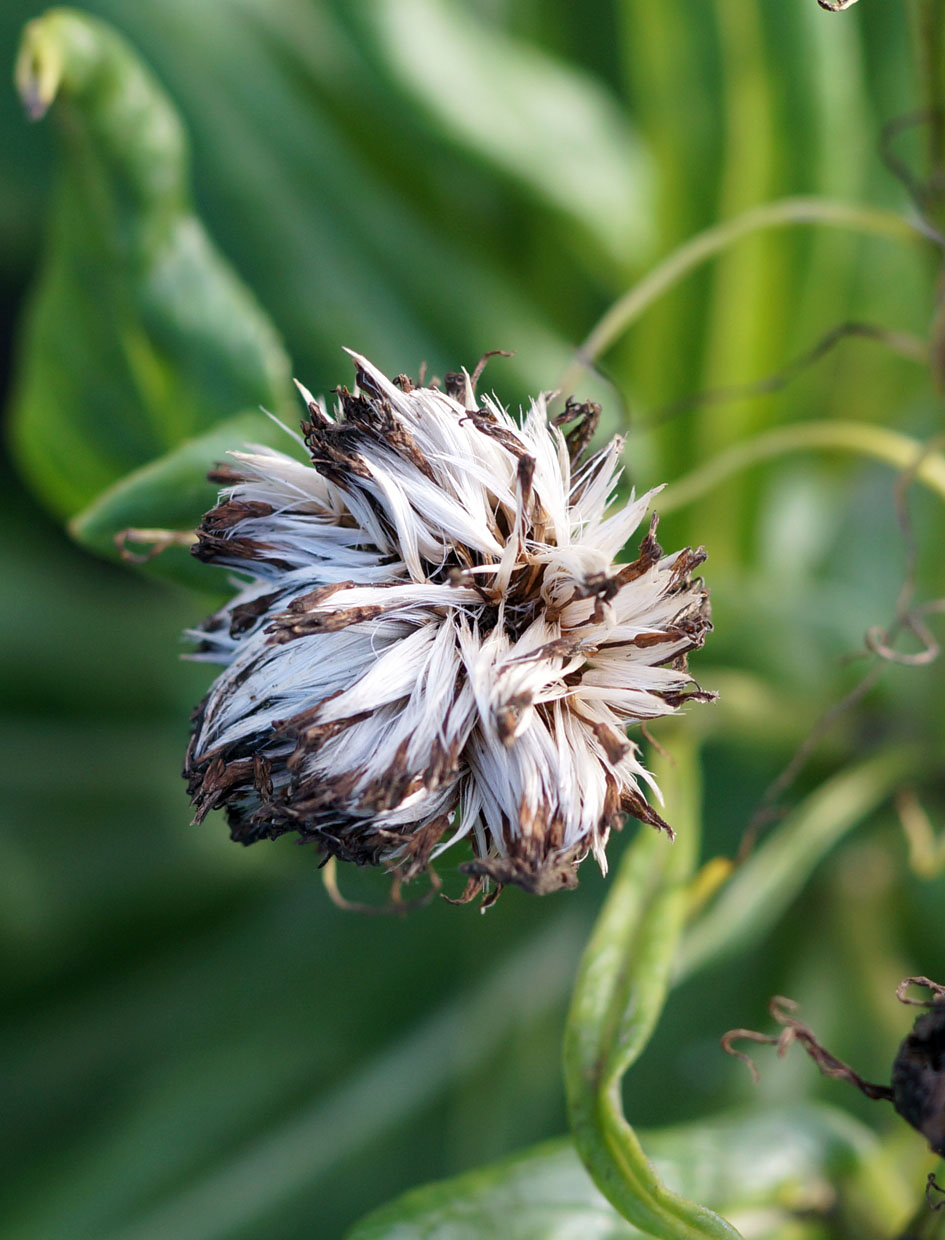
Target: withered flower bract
431	640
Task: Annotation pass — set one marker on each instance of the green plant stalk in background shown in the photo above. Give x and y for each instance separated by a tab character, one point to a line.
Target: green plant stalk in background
928	36
620	990
870	221
763	886
878	443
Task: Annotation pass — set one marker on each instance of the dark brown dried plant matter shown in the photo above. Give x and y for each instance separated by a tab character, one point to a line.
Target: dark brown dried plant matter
917	1090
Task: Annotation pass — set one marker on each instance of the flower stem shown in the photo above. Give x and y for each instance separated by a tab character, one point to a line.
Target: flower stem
872	221
861	438
928	32
620	990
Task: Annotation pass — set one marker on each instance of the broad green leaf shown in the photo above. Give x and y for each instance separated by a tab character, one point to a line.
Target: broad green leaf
538	120
789	1159
333	222
618	996
139	336
171	493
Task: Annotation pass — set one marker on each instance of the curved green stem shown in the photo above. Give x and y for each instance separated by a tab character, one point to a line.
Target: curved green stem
928	35
871	221
618	996
861	438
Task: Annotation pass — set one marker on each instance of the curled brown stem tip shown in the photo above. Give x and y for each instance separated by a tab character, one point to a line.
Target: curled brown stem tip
937	989
782	1010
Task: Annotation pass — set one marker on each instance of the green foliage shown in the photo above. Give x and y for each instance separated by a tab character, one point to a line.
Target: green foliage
199	1046
139	336
758	893
628	967
538	121
618	995
168	492
792	1157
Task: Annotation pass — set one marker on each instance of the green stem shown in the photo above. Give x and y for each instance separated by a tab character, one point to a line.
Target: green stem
619	994
871	221
861	438
928	32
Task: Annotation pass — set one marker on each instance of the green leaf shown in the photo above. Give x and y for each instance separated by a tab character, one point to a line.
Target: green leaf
789	1159
619	994
139	336
171	493
319	181
541	122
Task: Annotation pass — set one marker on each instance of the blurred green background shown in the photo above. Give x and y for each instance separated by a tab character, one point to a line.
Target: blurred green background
197	1044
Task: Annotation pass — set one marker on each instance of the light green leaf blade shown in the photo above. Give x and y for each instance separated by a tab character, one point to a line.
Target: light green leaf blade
618	996
172	493
139	335
539	121
763	887
790	1159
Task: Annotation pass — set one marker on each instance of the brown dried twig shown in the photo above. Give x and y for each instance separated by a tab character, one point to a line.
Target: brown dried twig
932	1185
160	540
794	1030
481	364
925	193
396	906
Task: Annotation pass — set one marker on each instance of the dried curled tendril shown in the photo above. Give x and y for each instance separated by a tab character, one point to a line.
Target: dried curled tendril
932	1186
917	1090
793	1030
936	988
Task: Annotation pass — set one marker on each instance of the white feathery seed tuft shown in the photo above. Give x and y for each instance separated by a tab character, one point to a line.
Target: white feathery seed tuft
432	641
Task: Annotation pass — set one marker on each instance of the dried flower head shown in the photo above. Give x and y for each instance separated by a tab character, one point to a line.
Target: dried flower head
431	640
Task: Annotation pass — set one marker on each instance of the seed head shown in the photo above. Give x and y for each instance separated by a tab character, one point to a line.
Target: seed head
918	1075
431	640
